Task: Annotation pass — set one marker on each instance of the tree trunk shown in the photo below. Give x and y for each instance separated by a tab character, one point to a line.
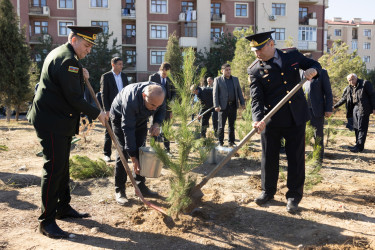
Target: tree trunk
17	112
8	112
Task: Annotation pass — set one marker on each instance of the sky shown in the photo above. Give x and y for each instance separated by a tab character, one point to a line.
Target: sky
349	9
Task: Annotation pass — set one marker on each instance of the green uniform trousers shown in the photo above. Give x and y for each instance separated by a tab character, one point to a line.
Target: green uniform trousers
55	177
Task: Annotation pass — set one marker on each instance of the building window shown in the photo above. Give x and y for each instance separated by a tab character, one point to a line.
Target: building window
366	59
99	3
215	8
190	29
66	4
157	57
38	3
129	56
279	34
40	28
159	32
129	4
354	45
278	9
366	45
159	6
337	32
302	12
215	33
130	30
241	28
307	33
241	10
185	6
102	24
63	30
367	32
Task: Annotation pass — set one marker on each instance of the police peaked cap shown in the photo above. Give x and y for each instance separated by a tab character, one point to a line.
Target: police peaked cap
88	33
257	41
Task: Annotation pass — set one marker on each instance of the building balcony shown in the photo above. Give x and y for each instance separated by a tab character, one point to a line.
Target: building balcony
309	1
128	14
187	16
215	18
42	11
188	42
309	19
307	45
128	40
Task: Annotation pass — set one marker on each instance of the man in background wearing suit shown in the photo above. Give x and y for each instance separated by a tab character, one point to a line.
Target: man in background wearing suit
226	93
162	78
111	83
319	101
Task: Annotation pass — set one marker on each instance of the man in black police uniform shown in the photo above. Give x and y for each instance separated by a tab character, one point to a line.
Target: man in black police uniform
360	95
55	114
162	78
129	114
205	96
271	77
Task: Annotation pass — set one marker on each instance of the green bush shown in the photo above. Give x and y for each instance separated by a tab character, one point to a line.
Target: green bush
82	167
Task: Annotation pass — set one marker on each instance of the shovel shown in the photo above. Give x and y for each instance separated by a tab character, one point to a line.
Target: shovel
196	193
122	157
205	112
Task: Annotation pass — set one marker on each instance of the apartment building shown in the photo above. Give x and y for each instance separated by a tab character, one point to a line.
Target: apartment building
142	27
357	34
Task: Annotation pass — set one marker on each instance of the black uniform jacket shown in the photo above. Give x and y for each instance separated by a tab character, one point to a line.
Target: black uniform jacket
109	89
364	94
129	108
270	83
170	89
59	99
206	97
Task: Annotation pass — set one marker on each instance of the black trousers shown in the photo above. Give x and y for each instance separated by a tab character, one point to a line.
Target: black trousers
295	152
120	173
205	122
166	142
107	143
360	125
55	177
317	123
215	121
229	113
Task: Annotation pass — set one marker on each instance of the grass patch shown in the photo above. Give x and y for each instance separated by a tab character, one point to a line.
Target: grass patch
82	167
3	148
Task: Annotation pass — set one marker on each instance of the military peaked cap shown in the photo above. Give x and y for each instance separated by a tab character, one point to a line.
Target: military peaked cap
257	41
88	33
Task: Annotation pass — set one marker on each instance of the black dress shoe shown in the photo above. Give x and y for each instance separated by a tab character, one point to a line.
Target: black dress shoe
146	192
52	230
263	198
356	149
232	145
292	206
71	213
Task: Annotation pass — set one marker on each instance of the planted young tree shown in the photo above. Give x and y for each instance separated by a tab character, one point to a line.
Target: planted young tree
339	63
243	57
173	56
99	60
14	59
191	152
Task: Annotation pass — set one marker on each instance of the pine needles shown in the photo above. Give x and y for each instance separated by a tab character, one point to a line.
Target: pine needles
82	167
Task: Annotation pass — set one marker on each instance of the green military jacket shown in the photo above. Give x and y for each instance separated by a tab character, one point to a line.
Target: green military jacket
59	99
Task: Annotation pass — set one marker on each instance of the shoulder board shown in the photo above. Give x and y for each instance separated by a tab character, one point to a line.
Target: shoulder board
252	65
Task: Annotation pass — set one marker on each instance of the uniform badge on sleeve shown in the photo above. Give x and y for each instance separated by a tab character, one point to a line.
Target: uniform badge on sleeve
73	69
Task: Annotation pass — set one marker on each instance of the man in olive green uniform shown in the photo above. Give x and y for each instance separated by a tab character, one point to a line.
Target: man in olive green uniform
55	114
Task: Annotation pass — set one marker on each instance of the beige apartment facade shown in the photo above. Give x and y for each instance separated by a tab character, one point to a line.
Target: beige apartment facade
142	27
357	34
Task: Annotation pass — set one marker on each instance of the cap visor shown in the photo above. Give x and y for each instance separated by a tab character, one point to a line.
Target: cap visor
258	47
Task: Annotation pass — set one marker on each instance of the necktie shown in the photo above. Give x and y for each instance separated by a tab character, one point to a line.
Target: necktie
163	81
